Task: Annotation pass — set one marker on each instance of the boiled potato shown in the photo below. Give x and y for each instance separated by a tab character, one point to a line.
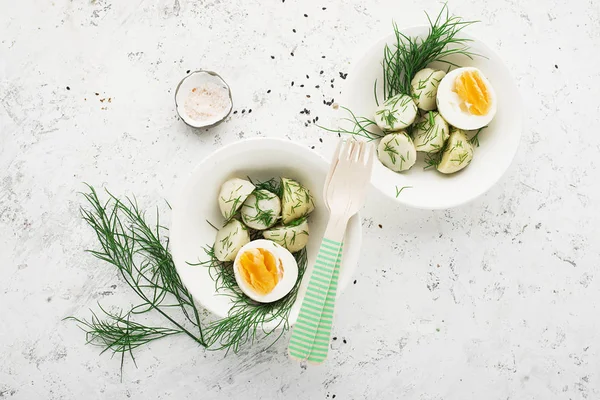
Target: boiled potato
230	239
297	201
430	132
232	195
293	237
397	152
425	86
261	210
457	154
396	113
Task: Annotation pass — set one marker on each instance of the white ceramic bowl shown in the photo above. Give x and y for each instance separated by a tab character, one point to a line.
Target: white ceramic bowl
498	143
260	159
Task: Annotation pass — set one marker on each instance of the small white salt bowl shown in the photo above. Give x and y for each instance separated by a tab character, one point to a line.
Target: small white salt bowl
195	80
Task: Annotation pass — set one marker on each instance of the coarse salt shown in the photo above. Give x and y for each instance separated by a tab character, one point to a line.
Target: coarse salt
207	103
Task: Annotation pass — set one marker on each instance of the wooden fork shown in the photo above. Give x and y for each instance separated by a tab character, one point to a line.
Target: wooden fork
345	191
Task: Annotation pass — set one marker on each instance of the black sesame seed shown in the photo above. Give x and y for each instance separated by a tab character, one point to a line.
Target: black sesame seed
556	66
302	112
68	88
243	111
249	111
355	279
269	91
294	30
305	124
308	121
380	226
235	112
292	83
302	85
308	96
324	102
321	140
312	147
322	56
272	57
332	80
340	135
334	338
332	86
188	71
316	119
306	15
324	8
321	73
344	340
316	87
307	77
292	54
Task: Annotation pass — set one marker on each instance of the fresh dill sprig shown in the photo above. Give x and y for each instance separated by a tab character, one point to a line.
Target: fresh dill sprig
141	257
410	55
475	139
361	126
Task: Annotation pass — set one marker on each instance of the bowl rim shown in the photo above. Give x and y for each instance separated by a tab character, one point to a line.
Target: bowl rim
179	191
419	30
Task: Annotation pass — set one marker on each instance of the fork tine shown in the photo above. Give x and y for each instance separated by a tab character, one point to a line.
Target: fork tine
367	155
334	161
355	151
347	152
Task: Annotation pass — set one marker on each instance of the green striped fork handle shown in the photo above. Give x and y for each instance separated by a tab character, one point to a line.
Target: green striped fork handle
312	332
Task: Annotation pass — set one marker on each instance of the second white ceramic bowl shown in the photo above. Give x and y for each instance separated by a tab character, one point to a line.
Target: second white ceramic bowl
430	189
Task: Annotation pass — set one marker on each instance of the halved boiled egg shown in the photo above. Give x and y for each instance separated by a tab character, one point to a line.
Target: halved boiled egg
466	99
265	271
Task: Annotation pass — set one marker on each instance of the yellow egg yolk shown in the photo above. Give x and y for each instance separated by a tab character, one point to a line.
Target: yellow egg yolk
473	92
258	268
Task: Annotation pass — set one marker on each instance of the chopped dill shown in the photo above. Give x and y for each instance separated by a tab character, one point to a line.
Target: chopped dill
475	139
399	190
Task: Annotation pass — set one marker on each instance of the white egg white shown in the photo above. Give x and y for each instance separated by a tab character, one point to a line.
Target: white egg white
232	195
397	151
449	103
288	271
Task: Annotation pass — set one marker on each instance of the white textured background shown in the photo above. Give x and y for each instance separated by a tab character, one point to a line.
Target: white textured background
494	300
